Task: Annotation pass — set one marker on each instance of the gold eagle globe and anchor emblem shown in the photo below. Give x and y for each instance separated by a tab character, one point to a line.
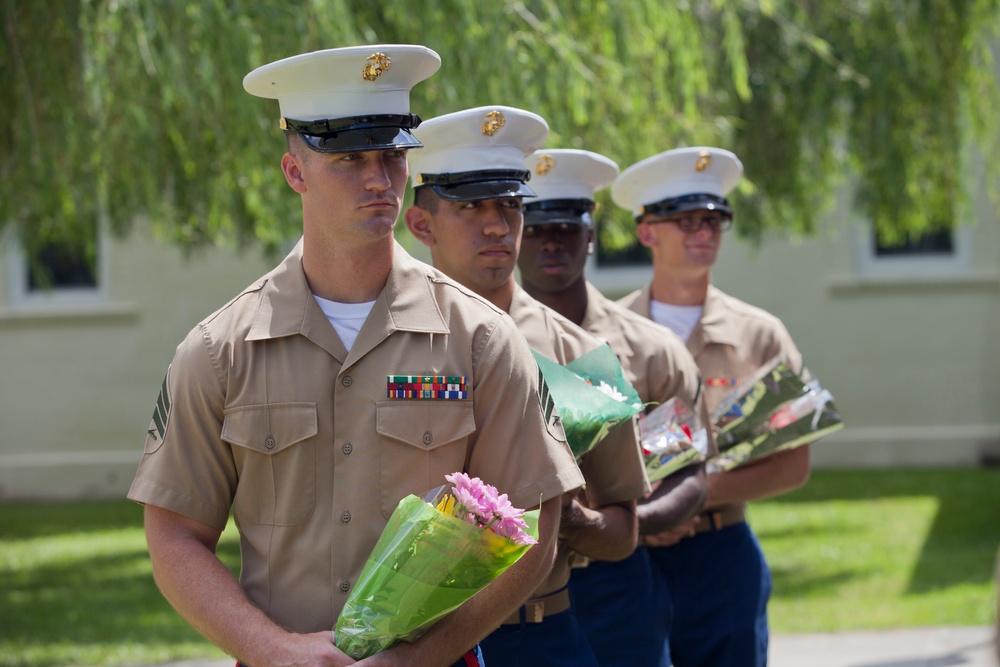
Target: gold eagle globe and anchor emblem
379	63
544	164
494	121
704	161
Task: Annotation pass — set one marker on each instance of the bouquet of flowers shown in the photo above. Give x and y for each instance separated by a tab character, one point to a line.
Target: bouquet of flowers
591	395
671	439
434	554
772	410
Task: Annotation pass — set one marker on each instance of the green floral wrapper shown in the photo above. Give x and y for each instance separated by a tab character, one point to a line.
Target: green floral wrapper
587	411
773	410
424	566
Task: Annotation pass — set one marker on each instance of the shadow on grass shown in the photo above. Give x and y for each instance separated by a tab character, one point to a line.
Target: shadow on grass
115	592
804	582
90	599
961	545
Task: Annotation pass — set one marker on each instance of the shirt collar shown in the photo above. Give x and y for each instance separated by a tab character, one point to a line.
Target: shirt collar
287	306
715	326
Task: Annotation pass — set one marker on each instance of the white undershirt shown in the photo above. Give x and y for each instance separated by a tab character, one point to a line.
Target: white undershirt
346	318
679	319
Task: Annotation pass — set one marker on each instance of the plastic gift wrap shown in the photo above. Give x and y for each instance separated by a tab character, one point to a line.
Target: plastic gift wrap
672	438
433	555
774	409
591	396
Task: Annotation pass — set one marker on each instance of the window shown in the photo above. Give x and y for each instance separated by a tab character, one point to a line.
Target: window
59	273
935	254
62	265
618	272
635	254
939	243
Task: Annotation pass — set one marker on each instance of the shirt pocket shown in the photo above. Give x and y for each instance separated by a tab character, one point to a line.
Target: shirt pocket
274	448
420	442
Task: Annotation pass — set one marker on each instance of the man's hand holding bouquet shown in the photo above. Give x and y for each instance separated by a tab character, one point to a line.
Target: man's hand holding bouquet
434	554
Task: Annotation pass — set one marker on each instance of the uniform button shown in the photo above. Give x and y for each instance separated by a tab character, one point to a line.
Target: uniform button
345	585
428	438
345	516
347	381
269	441
348	448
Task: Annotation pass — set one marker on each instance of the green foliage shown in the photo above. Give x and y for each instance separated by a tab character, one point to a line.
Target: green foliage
126	110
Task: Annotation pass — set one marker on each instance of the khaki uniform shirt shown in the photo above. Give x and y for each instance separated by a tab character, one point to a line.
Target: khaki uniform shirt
613	469
731	340
264	412
653	357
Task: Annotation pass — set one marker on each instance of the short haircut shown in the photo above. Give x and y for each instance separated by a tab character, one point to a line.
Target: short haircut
296	146
426	198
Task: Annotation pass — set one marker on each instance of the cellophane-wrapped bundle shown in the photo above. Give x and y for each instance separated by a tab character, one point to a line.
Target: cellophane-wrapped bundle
591	395
434	554
671	438
774	409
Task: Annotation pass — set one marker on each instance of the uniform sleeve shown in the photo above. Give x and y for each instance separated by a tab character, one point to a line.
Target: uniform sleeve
614	469
186	467
674	372
519	446
782	344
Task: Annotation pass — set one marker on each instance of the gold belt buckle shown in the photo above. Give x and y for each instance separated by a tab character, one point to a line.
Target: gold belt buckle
534	612
717	520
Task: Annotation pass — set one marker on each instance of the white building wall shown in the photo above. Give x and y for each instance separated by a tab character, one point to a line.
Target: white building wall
908	353
78	382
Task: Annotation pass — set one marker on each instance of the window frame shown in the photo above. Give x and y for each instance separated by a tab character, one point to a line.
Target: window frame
959	262
21	296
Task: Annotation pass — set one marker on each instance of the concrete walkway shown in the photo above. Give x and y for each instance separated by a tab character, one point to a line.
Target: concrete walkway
926	647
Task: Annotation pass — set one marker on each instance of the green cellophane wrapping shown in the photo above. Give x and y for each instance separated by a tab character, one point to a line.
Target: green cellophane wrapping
587	413
761	418
424	566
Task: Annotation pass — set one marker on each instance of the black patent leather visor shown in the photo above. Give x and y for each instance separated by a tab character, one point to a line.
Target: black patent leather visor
693	202
360	133
552	211
476	185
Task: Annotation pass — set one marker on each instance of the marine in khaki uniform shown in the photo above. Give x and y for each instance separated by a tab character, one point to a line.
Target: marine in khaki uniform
718	580
618	604
470	181
281	406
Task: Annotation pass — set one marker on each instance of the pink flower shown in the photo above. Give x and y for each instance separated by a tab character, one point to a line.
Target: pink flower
508	521
482	505
469	496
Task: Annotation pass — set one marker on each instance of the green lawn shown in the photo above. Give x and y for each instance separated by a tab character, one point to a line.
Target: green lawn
883	549
76	589
859	549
